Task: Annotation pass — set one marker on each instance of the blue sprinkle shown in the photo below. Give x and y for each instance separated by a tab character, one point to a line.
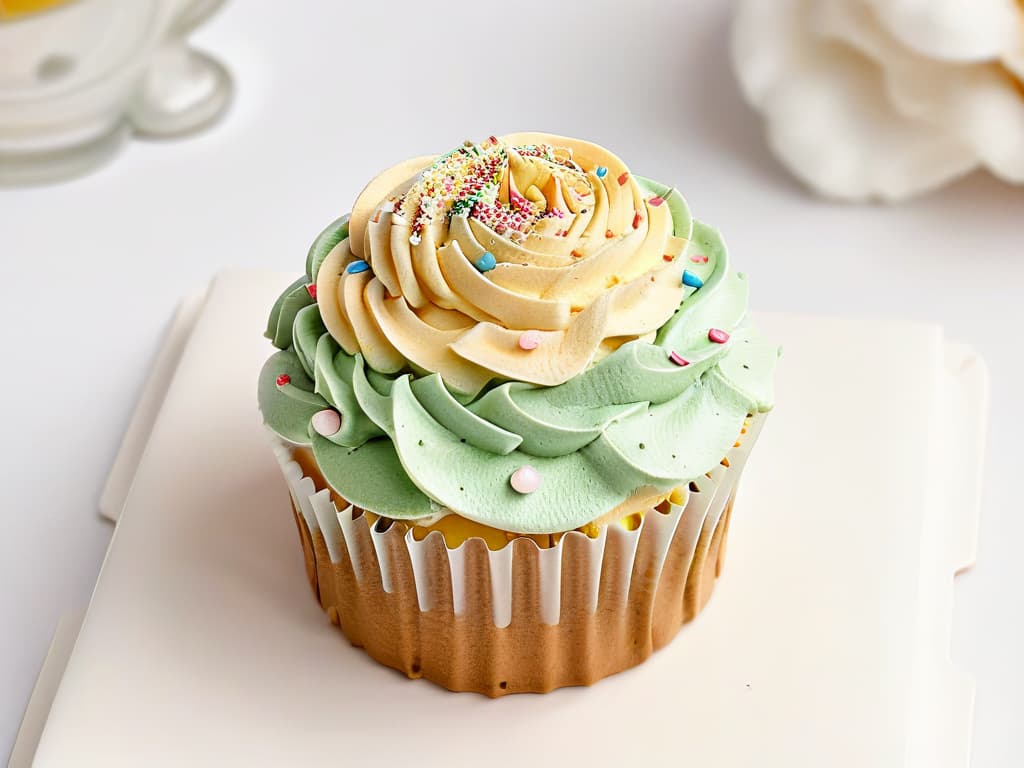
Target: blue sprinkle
691	279
486	262
356	267
601	171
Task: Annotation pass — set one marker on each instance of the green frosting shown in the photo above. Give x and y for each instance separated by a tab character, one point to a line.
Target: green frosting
408	446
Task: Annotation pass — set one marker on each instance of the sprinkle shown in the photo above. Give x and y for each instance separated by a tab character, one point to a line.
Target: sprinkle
526	479
311	290
692	280
601	171
637	218
326	422
718	336
486	262
357	266
623	178
609	234
283	379
656	201
529	340
678	359
701	259
668	257
493	139
376	217
577	254
415	239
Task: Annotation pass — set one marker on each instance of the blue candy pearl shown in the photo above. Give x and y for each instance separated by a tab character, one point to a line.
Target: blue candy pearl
601	171
486	262
691	279
356	267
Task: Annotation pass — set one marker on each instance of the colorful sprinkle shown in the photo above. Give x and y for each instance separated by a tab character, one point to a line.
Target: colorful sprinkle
311	290
601	171
692	280
609	234
637	218
656	201
718	336
283	379
700	259
678	359
623	178
668	257
529	340
526	479
357	266
326	422
486	262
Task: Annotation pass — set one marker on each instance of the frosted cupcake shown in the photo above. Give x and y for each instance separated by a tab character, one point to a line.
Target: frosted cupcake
513	397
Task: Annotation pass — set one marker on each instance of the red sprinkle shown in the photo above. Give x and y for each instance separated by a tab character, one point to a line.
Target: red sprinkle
311	290
623	178
577	254
609	234
283	379
718	336
678	359
656	201
637	218
699	259
668	257
493	139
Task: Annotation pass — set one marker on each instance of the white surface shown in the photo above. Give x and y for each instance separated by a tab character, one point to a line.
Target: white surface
204	584
91	271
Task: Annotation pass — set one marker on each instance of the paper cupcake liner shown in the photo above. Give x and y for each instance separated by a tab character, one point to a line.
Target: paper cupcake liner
520	618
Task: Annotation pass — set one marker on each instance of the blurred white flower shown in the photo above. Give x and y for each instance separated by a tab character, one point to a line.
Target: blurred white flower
886	98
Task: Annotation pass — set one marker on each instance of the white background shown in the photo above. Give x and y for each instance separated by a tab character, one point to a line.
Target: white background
91	270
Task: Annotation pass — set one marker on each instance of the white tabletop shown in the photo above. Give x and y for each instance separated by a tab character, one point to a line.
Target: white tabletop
91	270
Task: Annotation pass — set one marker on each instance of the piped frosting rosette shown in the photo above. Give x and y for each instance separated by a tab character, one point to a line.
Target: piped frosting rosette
520	332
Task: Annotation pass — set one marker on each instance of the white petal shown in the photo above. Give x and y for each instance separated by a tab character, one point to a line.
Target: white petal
958	30
768	41
834	128
830	111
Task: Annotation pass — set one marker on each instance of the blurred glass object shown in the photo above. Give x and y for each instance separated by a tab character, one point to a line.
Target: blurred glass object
78	77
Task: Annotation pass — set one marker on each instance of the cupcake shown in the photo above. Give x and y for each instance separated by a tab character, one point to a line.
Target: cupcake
513	396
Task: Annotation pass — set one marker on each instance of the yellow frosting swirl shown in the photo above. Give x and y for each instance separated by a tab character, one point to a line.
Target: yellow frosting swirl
470	250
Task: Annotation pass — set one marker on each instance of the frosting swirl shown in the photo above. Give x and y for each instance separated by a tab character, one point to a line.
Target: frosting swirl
495	239
634	376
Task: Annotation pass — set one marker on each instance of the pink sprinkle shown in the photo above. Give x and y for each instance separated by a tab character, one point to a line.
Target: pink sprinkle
529	340
526	479
283	379
718	336
656	201
326	422
699	259
678	359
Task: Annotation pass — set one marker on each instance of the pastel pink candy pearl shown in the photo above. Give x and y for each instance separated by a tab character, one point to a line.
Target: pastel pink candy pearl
326	422
529	340
526	479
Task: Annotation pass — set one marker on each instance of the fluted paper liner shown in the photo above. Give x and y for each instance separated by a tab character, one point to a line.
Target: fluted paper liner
521	618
